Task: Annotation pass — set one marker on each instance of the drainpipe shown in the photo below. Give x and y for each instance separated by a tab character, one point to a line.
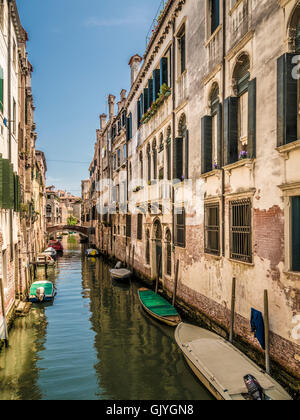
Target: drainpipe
9	122
173	128
223	125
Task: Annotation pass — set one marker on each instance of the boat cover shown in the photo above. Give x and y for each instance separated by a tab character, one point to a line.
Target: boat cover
46	285
157	304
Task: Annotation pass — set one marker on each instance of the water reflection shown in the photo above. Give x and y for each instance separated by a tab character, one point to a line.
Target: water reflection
95	342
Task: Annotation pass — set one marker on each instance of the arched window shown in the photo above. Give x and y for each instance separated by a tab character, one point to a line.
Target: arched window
154	151
147	247
168	253
49	209
149	163
216	159
141	166
181	151
169	152
161	143
294	31
241	79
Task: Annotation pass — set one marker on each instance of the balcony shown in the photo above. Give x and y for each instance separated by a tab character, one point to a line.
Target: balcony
156	21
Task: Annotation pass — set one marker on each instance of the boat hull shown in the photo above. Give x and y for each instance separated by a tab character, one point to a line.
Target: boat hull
221	367
120	275
171	321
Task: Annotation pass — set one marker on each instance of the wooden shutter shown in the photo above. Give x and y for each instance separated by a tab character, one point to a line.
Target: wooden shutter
178	158
128	225
138	114
287	99
146	100
156	84
169	157
150	93
130	126
164	71
252	119
231	130
180	230
1	90
6	184
140	227
182	54
141	105
206	144
219	135
187	150
296	233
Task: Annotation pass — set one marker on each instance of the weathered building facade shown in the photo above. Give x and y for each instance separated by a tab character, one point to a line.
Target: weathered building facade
22	168
211	174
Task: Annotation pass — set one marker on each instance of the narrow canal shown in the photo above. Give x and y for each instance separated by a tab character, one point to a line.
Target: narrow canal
94	342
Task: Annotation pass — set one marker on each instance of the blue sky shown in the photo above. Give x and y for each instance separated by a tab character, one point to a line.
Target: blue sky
80	51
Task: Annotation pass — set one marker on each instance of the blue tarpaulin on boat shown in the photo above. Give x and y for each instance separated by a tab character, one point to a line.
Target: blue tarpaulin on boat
258	327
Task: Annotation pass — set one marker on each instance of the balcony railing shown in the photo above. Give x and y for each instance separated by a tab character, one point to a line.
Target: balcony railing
156	20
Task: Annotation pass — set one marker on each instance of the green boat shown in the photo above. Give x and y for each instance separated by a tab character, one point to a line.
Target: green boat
42	291
158	307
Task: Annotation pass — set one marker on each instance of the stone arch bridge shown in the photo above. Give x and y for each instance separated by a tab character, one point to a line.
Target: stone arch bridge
60	228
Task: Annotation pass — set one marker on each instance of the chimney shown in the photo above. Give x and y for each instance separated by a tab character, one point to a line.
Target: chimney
134	64
123	95
102	121
111	106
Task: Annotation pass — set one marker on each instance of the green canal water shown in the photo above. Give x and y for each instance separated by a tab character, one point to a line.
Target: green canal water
93	343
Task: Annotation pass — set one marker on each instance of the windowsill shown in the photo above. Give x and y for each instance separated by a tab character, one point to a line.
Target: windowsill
215	172
241	262
212	37
292	273
239	164
213	256
287	148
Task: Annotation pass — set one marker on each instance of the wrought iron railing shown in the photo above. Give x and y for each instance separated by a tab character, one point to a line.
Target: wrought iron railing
156	20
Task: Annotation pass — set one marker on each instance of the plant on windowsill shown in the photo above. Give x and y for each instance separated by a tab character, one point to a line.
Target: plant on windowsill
243	154
216	166
165	92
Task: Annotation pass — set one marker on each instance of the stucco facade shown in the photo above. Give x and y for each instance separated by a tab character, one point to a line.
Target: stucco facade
223	126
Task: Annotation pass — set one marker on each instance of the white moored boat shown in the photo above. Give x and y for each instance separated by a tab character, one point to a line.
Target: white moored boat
221	367
120	274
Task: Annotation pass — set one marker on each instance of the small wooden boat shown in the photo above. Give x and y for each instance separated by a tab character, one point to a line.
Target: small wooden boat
221	367
42	291
57	245
158	307
120	274
51	252
45	259
92	253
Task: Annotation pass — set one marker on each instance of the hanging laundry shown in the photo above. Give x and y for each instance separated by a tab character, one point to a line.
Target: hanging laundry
258	327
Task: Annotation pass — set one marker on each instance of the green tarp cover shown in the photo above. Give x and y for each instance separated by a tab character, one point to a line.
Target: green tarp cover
47	286
156	304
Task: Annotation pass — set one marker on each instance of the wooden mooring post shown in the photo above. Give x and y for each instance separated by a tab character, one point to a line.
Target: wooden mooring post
175	283
133	255
3	313
267	332
158	275
232	316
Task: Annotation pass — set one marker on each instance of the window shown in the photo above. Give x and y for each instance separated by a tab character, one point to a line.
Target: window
119	158
240	114
211	134
181	151
168	253
212	229
154	152
169	153
124	152
149	163
180	227
128	225
182	51
241	231
14	117
148	247
141	166
214	15
295	233
140	227
1	90
129	127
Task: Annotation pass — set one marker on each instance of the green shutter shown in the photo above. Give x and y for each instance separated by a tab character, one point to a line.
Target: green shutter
164	71
146	100
1	181
178	158
138	114
219	135
150	93
5	184
296	233
287	98
187	151
1	90
12	187
206	144
231	130
252	119
142	105
156	84
17	193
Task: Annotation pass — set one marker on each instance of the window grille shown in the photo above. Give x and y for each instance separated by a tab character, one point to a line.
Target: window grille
241	231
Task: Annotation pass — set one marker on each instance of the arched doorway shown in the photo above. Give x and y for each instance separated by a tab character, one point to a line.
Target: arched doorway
157	237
